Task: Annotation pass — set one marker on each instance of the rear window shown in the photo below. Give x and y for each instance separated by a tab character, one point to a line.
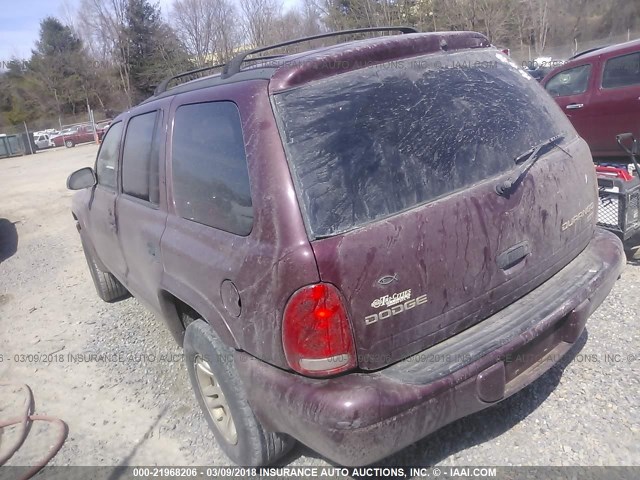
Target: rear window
373	142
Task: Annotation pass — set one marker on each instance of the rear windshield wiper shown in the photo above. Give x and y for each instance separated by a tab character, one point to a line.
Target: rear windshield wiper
526	160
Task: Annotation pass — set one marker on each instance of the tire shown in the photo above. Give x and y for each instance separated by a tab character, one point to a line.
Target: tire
107	286
69	143
254	446
633	252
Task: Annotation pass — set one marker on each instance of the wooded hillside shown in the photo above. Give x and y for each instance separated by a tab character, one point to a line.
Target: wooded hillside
110	54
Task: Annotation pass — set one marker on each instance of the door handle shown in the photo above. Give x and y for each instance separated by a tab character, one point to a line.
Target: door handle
574	106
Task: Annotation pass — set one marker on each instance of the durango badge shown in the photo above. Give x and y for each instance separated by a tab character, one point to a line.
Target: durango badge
587	212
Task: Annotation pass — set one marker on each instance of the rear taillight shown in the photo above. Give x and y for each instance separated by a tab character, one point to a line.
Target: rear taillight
316	333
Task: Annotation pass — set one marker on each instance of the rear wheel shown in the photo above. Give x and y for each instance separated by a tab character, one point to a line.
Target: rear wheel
69	143
223	401
107	286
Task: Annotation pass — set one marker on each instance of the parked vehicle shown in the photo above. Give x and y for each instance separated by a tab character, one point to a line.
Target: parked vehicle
43	141
537	73
541	66
73	136
619	191
599	90
355	245
103	125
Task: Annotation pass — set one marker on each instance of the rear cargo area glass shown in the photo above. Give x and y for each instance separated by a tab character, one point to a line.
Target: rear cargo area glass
374	142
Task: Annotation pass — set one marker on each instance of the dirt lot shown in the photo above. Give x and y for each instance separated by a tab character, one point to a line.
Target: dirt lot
134	406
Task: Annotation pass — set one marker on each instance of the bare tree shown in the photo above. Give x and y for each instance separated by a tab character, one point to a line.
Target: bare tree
539	15
193	20
260	19
495	17
102	23
491	17
208	29
311	18
228	32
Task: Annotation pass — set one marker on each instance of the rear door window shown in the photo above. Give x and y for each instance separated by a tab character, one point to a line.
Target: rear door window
622	71
107	160
376	141
209	164
140	158
572	81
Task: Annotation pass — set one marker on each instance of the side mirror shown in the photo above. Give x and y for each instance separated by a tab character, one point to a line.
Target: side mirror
83	178
628	143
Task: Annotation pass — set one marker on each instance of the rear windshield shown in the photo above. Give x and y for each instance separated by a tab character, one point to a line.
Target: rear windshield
376	141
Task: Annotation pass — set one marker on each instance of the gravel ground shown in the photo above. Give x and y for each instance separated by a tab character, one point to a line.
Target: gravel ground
140	411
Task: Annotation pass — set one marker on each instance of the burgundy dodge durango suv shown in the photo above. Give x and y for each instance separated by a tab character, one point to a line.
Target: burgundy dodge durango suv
355	245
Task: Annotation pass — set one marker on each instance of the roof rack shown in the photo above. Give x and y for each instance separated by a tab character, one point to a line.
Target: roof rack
235	63
233	66
162	86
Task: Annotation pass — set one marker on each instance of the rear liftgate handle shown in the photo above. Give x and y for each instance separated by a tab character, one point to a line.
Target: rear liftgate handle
513	256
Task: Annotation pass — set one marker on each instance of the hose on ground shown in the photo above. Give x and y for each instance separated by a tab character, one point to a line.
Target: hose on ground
24	421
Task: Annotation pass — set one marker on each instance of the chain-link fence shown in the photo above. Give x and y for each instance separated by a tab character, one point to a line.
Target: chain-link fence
21	139
52	123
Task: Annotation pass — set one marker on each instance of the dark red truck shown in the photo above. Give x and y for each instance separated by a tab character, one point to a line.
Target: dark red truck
76	135
355	245
600	93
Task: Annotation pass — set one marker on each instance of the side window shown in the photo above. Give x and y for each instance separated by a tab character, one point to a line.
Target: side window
569	82
140	159
210	176
107	161
622	71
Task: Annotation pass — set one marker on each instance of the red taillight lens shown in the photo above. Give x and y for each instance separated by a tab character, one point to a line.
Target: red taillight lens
316	333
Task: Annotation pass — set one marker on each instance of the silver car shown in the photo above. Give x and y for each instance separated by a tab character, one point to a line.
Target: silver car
44	141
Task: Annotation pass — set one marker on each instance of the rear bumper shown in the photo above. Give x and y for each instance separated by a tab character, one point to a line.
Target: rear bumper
359	418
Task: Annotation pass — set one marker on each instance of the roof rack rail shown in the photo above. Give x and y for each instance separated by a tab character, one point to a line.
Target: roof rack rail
235	63
162	86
